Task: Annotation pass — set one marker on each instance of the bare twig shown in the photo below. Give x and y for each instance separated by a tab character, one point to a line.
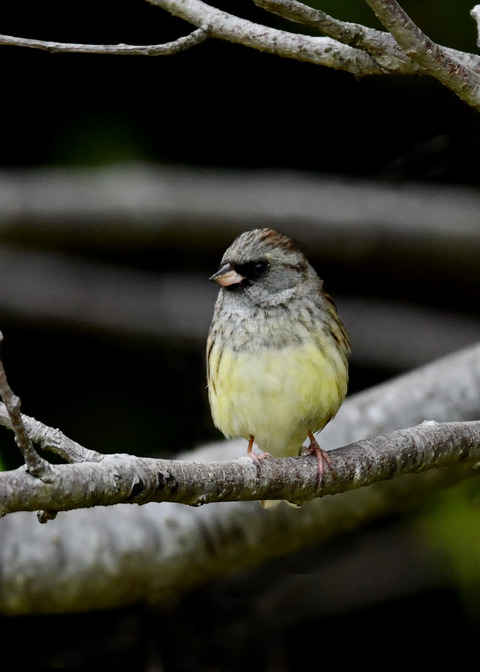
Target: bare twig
166	49
51	439
36	466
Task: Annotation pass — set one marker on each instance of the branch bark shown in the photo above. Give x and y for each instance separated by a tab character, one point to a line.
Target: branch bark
433	58
126	479
317	50
380	44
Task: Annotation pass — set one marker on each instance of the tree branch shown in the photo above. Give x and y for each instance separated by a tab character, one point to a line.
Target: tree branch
34	464
348	46
317	50
375	42
126	479
373	53
434	59
51	439
167	49
379	44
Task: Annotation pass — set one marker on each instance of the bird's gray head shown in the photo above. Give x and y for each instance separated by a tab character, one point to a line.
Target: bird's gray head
263	266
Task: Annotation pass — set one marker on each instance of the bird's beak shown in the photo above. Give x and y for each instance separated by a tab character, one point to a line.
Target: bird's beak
227	275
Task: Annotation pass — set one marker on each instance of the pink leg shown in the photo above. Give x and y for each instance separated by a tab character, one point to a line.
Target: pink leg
253	455
322	455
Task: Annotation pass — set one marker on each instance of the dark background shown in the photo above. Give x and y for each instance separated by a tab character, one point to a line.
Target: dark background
217	105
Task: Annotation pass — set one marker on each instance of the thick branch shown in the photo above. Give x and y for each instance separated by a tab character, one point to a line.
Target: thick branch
126	479
434	59
318	50
109	557
379	44
375	42
139	203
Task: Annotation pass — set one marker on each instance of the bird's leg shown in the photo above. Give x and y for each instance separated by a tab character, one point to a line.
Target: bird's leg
253	455
322	456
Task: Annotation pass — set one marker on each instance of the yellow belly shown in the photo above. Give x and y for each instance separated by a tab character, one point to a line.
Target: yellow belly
276	395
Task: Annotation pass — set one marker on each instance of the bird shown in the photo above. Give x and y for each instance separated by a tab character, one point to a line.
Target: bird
277	351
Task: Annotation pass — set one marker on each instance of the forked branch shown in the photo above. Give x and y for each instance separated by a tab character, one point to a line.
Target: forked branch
402	49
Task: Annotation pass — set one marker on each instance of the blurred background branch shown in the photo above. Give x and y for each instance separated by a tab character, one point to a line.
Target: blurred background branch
353	224
151	547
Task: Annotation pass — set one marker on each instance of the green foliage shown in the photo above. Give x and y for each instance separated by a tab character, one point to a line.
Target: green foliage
99	138
452	526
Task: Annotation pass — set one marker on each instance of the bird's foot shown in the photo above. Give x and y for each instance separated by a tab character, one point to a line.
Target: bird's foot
322	456
253	455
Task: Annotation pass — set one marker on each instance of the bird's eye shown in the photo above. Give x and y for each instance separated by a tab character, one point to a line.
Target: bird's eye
251	270
259	267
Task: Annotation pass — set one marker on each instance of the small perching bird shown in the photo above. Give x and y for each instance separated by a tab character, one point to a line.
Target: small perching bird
277	351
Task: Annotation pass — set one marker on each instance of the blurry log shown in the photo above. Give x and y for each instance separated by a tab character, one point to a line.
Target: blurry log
106	557
63	291
138	203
